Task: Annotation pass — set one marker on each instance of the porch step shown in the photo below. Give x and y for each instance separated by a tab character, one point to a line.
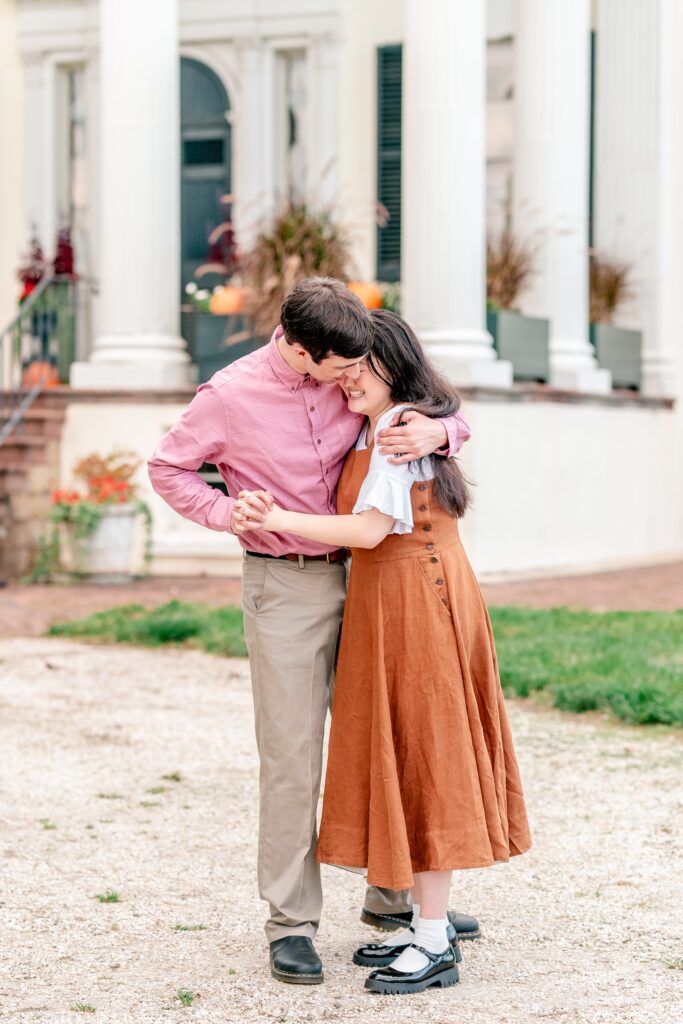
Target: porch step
29	473
22	449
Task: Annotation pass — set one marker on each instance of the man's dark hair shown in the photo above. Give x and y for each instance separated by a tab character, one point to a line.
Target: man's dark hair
326	318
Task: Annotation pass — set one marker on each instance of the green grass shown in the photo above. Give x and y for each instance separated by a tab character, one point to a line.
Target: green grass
627	663
216	630
110	896
186	997
83	1008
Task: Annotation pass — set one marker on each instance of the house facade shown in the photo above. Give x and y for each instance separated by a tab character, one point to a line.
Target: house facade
425	127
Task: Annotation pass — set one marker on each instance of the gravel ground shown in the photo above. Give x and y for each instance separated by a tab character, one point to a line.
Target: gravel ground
585	928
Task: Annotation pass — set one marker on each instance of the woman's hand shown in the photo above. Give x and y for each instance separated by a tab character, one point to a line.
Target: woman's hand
256	510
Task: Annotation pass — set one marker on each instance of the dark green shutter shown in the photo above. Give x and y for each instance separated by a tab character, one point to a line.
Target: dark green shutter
389	72
591	139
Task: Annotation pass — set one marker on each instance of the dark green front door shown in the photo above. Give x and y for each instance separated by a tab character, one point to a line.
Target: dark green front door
205	161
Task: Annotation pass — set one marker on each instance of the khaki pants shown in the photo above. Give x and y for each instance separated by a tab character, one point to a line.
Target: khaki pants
292	618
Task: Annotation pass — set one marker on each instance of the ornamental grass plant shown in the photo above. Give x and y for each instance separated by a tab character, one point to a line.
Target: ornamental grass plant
611	286
300	242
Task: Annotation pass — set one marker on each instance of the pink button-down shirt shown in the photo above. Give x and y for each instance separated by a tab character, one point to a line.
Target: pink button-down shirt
264	426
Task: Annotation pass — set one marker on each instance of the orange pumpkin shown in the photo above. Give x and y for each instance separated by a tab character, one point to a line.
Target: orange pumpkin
368	293
39	371
228	301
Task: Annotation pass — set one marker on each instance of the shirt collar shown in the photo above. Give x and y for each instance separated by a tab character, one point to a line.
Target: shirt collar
289	377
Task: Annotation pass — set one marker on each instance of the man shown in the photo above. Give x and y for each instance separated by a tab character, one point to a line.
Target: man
277	420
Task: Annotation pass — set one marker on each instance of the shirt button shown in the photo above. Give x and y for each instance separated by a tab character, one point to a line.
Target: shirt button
423	508
439	583
422	487
430	547
433	559
318	441
312	408
426	526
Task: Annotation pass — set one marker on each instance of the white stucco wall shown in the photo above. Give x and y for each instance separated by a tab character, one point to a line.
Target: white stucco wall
12	229
570	486
558	487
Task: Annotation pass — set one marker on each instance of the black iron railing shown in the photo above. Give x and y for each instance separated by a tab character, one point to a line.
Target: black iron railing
37	348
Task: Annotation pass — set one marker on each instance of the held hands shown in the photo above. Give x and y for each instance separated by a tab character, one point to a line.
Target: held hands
421	436
255	510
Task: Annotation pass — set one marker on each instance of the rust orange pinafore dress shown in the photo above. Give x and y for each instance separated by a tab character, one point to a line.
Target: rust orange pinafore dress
422	773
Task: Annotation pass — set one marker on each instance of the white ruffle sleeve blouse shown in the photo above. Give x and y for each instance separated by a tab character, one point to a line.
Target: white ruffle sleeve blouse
387	487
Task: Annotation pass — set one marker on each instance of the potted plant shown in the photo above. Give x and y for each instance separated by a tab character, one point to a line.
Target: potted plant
618	349
212	317
522	340
94	528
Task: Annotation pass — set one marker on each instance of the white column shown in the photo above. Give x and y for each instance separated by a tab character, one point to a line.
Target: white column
40	192
323	120
139	346
550	182
637	126
254	130
443	195
14	233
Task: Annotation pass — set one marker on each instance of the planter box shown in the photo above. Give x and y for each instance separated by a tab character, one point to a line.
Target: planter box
209	340
522	340
621	352
105	556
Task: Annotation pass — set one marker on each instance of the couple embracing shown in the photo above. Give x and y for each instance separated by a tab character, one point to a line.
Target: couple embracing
337	439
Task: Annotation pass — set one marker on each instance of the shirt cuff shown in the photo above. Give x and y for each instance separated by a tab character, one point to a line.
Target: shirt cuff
220	515
458	432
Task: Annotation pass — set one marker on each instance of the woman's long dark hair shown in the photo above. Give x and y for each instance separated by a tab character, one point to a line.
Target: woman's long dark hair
397	358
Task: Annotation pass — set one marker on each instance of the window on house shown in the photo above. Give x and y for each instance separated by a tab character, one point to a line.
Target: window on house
72	168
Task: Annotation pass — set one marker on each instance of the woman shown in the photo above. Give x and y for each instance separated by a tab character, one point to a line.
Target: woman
422	777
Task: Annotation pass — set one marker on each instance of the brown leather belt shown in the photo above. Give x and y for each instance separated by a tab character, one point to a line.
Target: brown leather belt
340	555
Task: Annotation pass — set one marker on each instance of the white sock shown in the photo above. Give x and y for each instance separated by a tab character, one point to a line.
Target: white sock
405	936
432	935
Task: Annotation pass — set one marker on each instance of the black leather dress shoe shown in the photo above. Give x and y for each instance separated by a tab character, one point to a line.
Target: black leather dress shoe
465	927
293	959
376	955
440	971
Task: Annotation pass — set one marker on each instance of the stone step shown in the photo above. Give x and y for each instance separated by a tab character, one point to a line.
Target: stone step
22	449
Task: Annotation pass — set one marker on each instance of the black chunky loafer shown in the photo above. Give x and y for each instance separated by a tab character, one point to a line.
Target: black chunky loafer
440	972
466	927
293	959
373	954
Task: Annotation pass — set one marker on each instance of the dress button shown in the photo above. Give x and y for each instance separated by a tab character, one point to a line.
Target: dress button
423	508
430	547
439	583
318	441
427	526
422	487
433	559
312	408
